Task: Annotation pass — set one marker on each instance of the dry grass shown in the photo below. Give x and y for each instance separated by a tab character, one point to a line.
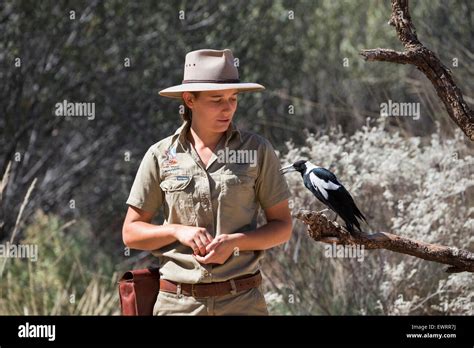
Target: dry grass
70	276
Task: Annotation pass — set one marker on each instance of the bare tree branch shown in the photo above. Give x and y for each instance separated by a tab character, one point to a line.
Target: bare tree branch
427	62
323	230
387	55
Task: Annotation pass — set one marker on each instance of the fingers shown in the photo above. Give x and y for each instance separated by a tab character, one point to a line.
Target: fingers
200	246
208	235
200	258
194	246
200	240
205	259
213	245
204	240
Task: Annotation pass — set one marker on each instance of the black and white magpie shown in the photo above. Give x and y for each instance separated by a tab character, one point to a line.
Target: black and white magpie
325	186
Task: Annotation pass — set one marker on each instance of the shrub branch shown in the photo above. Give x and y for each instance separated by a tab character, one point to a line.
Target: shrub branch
321	229
428	63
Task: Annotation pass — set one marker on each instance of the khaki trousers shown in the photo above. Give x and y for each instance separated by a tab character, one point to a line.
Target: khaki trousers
247	302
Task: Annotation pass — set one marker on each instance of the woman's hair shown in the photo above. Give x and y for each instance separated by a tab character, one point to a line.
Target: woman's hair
187	115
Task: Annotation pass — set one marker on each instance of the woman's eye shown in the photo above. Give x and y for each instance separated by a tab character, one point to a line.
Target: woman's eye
233	100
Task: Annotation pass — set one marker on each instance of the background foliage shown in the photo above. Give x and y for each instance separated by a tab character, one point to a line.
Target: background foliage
404	171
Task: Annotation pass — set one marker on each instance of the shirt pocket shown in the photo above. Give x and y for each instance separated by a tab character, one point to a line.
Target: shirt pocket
178	189
238	190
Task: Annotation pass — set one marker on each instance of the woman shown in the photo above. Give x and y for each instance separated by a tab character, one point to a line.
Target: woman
210	178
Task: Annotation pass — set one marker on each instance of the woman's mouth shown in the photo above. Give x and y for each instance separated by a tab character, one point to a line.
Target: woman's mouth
223	120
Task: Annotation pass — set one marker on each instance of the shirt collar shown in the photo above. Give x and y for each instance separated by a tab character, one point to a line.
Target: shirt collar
183	130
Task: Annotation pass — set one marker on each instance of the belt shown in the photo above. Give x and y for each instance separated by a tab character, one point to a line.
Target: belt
232	286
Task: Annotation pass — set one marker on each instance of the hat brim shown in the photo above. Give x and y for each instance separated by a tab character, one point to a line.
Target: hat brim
177	91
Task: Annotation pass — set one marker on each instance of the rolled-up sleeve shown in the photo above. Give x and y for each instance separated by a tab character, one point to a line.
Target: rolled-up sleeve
271	186
146	193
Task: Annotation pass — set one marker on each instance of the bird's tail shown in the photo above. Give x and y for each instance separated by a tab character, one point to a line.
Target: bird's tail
350	226
359	215
354	223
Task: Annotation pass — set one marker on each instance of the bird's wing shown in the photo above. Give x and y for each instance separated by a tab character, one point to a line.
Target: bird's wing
322	185
346	207
336	196
326	175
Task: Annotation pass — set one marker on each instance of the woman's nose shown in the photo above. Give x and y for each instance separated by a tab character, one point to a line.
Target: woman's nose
227	105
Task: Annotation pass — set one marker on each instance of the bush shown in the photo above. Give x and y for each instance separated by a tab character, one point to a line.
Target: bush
418	188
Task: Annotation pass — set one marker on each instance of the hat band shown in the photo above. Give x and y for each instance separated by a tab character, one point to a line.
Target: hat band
213	81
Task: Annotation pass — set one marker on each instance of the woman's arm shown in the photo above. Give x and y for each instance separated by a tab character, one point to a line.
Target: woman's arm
139	233
276	231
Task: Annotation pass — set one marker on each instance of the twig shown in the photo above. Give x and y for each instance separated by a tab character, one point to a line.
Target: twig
18	219
4	181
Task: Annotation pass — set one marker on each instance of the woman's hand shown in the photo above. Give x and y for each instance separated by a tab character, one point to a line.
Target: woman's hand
197	238
219	250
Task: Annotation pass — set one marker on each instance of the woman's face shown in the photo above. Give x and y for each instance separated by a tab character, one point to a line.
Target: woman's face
213	110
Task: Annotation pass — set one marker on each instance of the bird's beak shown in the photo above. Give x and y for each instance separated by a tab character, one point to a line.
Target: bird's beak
287	169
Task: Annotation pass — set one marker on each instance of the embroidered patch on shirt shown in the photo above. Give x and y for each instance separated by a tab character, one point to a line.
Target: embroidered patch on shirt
170	157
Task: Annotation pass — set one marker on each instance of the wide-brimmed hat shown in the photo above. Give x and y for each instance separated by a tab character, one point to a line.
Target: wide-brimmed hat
209	70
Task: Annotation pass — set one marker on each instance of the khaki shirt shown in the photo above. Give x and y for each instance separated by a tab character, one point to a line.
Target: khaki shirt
223	197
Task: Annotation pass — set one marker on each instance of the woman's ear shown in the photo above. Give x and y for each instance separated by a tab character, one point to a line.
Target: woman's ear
188	99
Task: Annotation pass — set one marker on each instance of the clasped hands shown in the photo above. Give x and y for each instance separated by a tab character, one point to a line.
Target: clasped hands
206	249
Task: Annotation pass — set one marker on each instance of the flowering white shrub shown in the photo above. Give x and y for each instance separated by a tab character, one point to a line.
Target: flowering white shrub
420	188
